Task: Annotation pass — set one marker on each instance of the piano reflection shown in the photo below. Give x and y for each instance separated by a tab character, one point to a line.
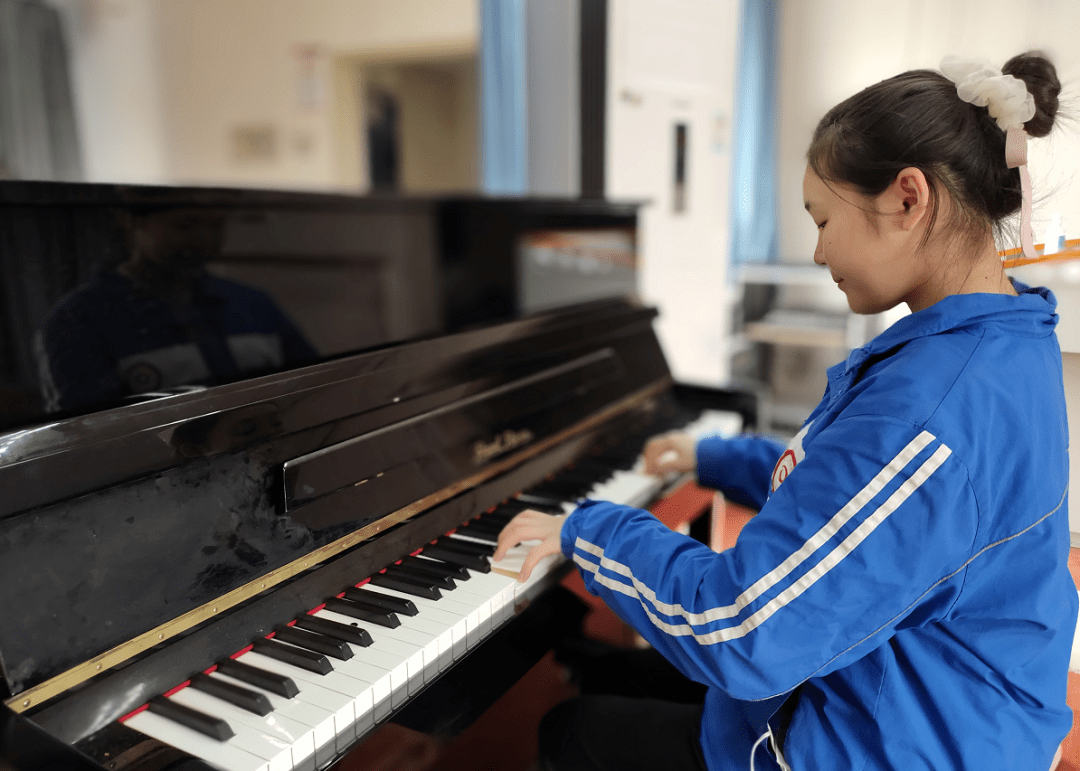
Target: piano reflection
255	449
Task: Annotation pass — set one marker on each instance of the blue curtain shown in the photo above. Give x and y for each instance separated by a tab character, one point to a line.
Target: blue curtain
504	159
754	228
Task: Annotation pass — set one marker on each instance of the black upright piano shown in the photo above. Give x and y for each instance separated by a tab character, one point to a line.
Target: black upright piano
255	447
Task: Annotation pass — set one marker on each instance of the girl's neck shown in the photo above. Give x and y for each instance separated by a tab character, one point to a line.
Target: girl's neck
963	271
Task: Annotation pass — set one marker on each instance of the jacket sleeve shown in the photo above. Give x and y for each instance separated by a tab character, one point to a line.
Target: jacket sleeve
856	541
740	468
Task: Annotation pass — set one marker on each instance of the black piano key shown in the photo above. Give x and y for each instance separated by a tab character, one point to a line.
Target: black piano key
561	489
544	502
499	520
542	505
379	600
350	634
484	524
512	506
298	657
252	701
314	642
459	558
270	681
491	538
465	547
438	568
363	612
484	531
207	725
585	477
420	578
430	593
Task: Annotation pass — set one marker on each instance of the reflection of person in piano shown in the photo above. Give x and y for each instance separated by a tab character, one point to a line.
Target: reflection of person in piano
902	598
160	321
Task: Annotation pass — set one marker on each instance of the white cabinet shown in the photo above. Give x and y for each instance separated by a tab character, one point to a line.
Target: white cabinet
792	324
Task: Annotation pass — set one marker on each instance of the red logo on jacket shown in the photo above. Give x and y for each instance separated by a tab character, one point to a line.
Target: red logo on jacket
783	467
789	460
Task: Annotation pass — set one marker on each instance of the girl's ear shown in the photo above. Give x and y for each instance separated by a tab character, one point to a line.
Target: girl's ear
906	201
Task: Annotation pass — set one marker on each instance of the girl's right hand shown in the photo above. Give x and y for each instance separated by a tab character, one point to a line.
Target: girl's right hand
668	453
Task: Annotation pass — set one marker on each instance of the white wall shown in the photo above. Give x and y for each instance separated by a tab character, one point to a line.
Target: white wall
830	49
116	81
163	85
668	63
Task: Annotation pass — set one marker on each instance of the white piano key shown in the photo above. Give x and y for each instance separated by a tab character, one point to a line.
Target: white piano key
222	755
404	661
452	615
469	611
445	618
709	422
427	643
304	708
330	694
275	734
467	608
375	681
629	488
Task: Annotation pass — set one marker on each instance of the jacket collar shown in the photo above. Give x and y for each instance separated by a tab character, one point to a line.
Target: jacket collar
1031	314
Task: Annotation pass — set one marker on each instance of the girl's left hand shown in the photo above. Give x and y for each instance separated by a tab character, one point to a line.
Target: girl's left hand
531	525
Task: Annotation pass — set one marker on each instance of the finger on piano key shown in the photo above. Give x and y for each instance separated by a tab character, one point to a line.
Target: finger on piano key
220	754
511	565
339	694
282	742
304	709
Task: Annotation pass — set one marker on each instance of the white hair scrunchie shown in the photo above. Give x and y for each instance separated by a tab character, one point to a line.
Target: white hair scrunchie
1007	99
982	84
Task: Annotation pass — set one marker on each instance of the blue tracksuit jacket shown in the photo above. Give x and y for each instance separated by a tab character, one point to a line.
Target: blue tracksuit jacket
904	590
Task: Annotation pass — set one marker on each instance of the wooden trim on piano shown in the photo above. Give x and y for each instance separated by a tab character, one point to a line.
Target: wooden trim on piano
61	683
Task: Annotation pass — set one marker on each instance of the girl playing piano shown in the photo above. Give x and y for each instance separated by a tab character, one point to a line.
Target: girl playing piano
902	599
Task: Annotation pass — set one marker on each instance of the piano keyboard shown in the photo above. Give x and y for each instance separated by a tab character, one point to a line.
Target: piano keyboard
304	695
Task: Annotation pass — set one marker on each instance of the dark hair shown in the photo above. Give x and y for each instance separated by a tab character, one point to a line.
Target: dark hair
917	119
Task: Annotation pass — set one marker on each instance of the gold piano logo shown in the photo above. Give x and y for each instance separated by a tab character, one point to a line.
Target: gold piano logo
501	444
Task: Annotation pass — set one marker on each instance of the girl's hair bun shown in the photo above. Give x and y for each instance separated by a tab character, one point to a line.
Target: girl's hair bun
1042	83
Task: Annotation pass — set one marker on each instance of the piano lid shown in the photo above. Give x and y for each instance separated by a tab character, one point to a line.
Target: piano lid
202	501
